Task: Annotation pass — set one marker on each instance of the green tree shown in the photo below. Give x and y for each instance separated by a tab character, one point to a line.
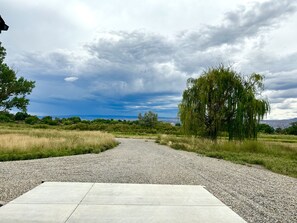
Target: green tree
31	120
13	90
292	129
149	119
279	130
6	117
265	128
21	116
75	119
222	100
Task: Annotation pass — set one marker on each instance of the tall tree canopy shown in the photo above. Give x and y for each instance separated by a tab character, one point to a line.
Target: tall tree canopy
222	100
13	90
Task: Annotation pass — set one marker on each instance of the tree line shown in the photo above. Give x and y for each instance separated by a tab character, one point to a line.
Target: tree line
147	124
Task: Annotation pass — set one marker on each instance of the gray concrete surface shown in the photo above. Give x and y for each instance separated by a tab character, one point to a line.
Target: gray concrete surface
98	202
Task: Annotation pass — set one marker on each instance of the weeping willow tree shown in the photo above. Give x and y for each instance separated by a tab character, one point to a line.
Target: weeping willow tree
222	100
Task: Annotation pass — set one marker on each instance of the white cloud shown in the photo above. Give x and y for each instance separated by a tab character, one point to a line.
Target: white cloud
70	79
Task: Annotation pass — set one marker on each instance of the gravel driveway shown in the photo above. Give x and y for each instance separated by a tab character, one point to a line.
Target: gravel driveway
255	194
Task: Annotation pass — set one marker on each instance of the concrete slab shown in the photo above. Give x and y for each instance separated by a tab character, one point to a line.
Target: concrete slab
55	193
25	213
134	194
97	202
153	214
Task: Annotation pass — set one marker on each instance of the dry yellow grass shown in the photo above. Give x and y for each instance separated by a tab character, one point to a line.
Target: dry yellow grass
47	142
25	142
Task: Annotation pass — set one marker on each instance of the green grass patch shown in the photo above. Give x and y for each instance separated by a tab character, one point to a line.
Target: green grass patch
276	155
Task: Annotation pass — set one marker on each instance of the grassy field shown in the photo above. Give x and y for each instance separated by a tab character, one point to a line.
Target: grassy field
20	144
277	153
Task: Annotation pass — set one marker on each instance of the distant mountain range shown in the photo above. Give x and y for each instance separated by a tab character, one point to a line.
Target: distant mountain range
279	123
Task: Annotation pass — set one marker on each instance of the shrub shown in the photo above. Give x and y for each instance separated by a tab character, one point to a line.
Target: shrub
74	119
6	117
49	120
32	120
292	130
21	116
264	128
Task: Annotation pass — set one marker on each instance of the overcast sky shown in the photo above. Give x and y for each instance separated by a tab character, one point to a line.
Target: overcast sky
115	57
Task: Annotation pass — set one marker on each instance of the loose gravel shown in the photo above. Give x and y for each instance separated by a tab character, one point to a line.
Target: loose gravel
254	193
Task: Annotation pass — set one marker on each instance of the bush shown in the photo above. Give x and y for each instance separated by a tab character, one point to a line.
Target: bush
21	116
279	131
264	128
74	119
292	130
5	118
32	120
66	122
49	120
